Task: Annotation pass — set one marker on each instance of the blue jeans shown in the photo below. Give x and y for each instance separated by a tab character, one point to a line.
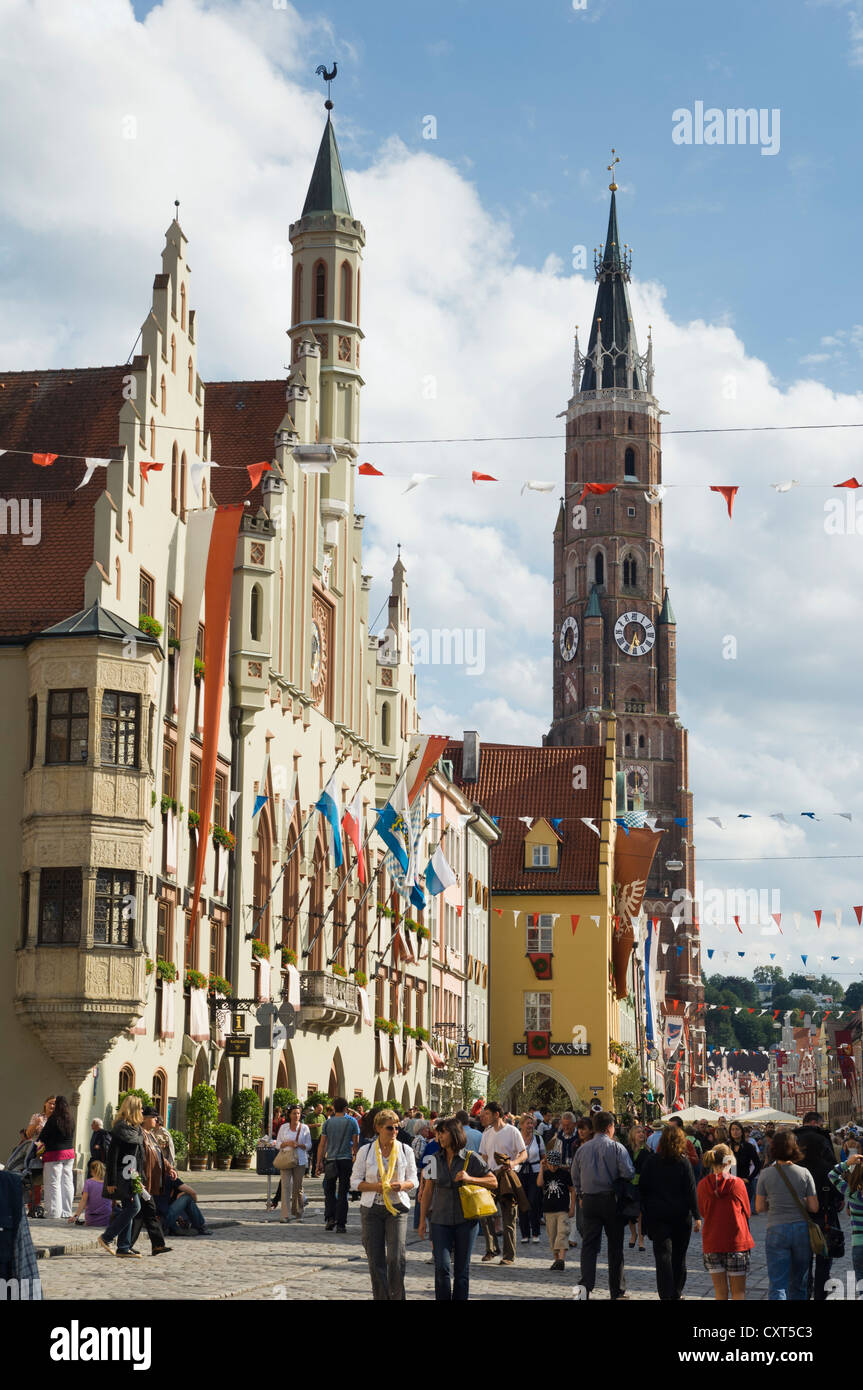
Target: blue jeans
120	1224
184	1205
452	1243
788	1255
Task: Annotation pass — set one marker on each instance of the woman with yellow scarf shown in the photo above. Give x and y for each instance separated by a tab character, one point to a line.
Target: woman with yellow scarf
385	1175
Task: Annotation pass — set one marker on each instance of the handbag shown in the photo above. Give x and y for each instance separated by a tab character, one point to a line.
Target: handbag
817	1239
476	1201
285	1158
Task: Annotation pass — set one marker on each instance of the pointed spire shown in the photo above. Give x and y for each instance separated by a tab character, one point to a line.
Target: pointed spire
612	358
327	190
667	614
593	609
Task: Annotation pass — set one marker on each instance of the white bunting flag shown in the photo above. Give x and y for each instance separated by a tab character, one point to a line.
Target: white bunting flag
516	913
417	478
196	470
654	494
785	487
838	915
717	821
92	465
233	799
534	486
846	815
588	821
596	920
528	820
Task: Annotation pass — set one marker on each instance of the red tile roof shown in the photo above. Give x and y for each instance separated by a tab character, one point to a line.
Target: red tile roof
528	781
242	418
66	413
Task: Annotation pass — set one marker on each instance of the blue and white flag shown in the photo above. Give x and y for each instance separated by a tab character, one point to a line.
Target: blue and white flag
261	799
328	805
438	873
394	828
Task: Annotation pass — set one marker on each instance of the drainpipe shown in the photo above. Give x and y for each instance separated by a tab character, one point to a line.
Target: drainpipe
235	878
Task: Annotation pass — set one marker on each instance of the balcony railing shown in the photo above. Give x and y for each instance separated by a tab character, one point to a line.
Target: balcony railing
634	706
327	1001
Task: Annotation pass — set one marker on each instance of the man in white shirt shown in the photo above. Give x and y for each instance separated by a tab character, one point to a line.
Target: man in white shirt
502	1147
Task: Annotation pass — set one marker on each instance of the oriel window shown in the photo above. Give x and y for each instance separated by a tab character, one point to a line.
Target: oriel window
115	907
120	724
60	907
68	715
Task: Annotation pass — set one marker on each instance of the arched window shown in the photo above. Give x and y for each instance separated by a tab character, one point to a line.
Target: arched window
159	1092
197	436
320	290
599	568
255	613
163	394
345	290
152	438
627	740
630	571
298	294
191	377
263	869
291	896
174	478
117	571
641	740
173	353
598	423
358	297
570	576
316	910
385	723
629	463
184	472
183	307
629	424
126	1081
129	524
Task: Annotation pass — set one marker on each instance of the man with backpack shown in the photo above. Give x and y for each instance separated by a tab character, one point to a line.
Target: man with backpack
818	1156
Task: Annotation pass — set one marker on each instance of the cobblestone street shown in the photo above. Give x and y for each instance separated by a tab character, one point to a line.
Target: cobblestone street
251	1256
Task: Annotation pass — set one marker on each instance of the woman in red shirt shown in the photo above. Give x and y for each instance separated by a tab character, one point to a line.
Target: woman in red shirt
725	1237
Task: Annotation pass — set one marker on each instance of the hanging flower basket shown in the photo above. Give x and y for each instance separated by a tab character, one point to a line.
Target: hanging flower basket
193	819
360	977
199	668
340	971
151	626
195	979
166	970
260	949
223	837
217	984
149	966
168	803
289	957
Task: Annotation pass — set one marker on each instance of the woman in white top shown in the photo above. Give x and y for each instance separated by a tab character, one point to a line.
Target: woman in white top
385	1174
531	1220
294	1135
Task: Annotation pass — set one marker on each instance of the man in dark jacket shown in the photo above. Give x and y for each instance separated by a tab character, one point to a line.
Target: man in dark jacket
100	1141
818	1156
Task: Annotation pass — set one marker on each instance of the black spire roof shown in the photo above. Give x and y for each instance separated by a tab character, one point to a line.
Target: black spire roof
97	621
327	190
612	317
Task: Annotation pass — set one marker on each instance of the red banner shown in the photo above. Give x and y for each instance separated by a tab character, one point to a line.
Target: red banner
539	1044
541	962
217	612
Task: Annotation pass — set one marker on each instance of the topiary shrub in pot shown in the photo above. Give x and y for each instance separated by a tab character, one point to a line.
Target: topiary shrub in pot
181	1147
248	1116
202	1116
229	1144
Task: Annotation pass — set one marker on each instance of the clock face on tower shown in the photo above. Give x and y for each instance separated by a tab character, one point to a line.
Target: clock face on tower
636	782
634	633
568	638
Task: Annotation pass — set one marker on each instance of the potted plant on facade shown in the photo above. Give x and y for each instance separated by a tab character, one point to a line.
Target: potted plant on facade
289	956
228	1143
166	971
168	803
202	1116
217	984
149	965
247	1113
151	626
421	1034
193	820
196	979
199	669
340	971
223	838
361	978
260	949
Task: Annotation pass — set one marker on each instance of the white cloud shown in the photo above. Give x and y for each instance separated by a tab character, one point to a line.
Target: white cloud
225	126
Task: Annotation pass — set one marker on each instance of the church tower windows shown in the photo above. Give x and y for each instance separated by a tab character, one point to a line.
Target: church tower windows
346	287
191	381
629	464
163	396
385	724
255	613
630	571
173	353
599	569
297	311
319	290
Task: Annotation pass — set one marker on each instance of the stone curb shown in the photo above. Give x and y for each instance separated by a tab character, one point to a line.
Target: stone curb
88	1246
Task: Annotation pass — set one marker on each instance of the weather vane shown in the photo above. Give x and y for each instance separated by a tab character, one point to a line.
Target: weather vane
610	167
328	77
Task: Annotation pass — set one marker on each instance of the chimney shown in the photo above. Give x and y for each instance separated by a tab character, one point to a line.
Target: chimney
470	756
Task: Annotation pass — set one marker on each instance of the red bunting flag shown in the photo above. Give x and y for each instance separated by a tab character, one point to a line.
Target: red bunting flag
459	910
368	470
574	920
147	464
729	493
858	913
776	1013
777	917
44	460
499	911
817	911
598	488
849	482
482	478
737	925
256	472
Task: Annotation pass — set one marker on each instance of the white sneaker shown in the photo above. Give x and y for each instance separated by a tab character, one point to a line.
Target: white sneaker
525	1240
536	1240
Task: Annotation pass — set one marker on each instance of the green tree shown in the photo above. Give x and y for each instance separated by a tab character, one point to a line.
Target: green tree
854	995
769	974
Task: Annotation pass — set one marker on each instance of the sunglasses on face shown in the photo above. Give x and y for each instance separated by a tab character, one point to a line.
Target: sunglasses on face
390	1127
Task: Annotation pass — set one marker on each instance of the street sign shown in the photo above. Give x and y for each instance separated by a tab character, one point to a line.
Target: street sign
262	1035
464	1053
280	1035
266	1012
238	1045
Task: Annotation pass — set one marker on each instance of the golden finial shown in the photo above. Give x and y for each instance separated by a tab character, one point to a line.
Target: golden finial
616	160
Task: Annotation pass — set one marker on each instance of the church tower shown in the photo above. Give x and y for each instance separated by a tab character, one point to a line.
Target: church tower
615	634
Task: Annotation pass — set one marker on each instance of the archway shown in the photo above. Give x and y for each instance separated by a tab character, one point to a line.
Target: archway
223	1091
406	1097
379	1092
333	1082
543	1083
282	1075
202	1068
418	1096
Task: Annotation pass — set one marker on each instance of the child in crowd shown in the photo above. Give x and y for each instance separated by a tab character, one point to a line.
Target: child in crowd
96	1207
555	1183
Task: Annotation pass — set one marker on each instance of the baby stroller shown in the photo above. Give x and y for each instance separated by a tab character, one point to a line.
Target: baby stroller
24	1162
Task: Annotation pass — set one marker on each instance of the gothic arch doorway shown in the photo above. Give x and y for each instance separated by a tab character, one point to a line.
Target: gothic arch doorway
337	1085
282	1075
541	1085
418	1096
202	1068
333	1083
223	1091
379	1092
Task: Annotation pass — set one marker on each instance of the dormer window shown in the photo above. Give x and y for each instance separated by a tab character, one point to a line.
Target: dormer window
541	856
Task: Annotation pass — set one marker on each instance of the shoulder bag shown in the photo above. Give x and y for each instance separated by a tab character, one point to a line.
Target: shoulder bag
817	1239
476	1201
286	1158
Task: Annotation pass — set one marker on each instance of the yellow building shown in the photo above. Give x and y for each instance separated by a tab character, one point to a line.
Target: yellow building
553	1014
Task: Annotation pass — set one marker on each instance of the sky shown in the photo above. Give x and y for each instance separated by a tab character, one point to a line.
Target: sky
743	263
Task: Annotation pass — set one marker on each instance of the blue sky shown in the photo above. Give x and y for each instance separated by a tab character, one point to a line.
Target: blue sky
529	102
